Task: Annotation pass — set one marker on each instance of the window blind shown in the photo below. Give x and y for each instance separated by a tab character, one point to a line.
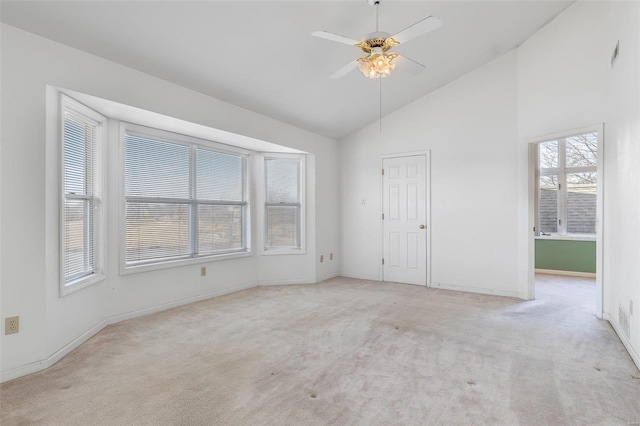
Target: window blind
182	200
283	203
156	169
221	205
82	211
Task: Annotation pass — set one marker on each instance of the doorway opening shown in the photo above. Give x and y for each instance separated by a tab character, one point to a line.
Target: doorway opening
567	202
405	218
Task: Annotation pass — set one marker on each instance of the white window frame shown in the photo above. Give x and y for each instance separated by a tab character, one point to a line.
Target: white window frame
98	193
302	227
193	143
561	171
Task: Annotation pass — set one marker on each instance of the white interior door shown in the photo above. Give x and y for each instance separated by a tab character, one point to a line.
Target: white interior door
404	220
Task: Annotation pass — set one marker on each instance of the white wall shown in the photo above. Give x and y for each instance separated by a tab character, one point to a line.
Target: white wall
477	129
470	126
49	324
565	81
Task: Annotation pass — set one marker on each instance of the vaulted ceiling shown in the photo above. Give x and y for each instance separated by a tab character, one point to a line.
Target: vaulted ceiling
260	55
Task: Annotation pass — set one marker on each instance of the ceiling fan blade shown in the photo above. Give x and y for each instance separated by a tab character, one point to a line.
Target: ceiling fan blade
345	70
422	27
409	65
335	37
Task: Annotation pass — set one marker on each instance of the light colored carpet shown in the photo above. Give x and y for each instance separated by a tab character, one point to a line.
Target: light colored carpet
345	352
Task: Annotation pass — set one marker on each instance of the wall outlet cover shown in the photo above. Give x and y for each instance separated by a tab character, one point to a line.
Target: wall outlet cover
11	325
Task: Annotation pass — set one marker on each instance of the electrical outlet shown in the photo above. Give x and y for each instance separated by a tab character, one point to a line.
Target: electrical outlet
203	271
330	256
11	325
321	258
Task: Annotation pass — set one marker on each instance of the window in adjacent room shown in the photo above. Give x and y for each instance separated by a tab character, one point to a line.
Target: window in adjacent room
82	254
284	204
567	185
185	198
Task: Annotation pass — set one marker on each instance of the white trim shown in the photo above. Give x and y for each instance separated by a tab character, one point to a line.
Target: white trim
326	277
127	128
532	189
565	238
600	224
565	273
635	356
405	154
532	174
36	366
302	200
427	187
566	134
359	276
267	283
480	290
80	283
133	269
427	183
181	302
282	252
65	103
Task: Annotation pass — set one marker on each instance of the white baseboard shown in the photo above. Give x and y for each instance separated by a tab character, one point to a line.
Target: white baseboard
285	282
174	304
23	370
325	277
359	276
479	290
566	273
36	366
623	338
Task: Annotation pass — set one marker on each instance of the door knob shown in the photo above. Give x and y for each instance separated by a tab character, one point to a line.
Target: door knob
421	226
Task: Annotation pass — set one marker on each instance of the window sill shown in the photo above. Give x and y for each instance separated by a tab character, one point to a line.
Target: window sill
282	252
80	283
566	237
148	267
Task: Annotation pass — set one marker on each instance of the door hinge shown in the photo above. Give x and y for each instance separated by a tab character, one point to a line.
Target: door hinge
382	216
534	229
559	221
382	172
383	260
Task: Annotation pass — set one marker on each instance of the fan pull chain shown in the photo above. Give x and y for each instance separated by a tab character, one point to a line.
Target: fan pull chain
380	79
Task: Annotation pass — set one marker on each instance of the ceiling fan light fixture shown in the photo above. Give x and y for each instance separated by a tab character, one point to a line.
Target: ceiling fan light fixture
377	65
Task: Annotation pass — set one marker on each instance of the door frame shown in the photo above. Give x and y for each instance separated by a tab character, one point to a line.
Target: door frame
427	207
533	193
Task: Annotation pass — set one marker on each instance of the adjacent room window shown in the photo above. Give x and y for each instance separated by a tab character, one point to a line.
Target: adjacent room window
82	257
184	198
567	185
284	204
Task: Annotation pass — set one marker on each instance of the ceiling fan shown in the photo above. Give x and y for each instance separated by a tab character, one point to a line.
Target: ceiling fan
378	61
